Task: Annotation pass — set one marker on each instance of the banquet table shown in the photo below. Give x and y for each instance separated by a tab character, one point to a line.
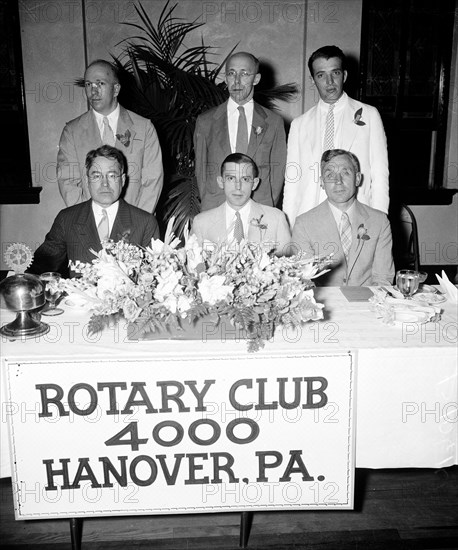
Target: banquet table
406	396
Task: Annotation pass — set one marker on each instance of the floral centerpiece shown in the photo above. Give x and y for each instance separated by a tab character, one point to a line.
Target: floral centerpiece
165	286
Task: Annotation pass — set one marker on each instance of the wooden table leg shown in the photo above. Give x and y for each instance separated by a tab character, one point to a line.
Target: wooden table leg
245	527
76	531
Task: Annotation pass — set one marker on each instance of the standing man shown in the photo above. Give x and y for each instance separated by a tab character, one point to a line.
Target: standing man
108	123
240	126
337	121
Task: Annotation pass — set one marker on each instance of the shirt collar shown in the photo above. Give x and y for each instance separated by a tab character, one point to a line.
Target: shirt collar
337	213
338	105
112	117
112	210
232	106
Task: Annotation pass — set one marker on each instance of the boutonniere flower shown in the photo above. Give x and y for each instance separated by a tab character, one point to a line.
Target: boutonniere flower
358	116
362	233
257	222
124	138
258	130
362	236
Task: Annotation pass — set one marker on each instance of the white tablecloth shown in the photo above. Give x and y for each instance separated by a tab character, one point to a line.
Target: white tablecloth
406	375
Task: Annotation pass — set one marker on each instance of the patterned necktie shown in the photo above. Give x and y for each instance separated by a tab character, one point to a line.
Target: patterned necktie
104	227
107	136
345	233
329	131
241	145
238	228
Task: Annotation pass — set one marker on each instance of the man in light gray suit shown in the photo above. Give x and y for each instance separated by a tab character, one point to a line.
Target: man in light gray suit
239	217
336	122
358	236
108	123
219	133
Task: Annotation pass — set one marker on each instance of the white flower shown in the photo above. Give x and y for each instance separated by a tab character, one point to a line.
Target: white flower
168	284
131	310
193	253
184	303
213	289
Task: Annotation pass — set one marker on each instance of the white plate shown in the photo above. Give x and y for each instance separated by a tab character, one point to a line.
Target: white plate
77	303
430	298
410	317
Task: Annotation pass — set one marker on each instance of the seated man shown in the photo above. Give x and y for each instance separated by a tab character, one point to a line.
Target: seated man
358	235
239	217
82	227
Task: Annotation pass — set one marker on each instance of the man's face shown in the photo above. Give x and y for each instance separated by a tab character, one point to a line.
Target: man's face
340	181
101	89
241	78
105	181
238	182
329	78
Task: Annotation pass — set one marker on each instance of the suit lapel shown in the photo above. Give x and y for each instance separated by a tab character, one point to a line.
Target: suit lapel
89	136
125	131
256	216
259	128
122	226
359	218
85	228
349	128
222	129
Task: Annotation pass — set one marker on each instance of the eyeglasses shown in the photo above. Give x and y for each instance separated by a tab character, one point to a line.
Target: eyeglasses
232	75
97	85
96	177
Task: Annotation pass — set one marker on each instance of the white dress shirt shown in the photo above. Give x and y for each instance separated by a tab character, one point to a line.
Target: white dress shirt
230	220
337	213
112	210
233	120
113	118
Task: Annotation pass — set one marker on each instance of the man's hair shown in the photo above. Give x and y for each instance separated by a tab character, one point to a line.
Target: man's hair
327	52
332	153
240	158
108	152
250	55
110	66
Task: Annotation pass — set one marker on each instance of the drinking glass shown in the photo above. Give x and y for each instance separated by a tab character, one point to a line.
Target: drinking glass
407	282
52	293
422	276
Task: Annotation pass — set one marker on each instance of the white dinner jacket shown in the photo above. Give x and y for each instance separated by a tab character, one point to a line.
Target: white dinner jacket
366	140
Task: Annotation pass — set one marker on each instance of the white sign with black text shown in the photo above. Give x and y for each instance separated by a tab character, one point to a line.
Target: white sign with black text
183	435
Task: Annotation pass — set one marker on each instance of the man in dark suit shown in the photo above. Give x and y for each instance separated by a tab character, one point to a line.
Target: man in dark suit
108	123
359	236
240	125
80	228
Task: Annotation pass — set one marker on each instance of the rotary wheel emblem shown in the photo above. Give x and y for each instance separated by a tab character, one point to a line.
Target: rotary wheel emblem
18	257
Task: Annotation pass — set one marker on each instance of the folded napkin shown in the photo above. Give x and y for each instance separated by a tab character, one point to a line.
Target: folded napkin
389	309
448	288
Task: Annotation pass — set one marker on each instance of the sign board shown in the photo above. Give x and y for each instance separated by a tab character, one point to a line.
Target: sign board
199	434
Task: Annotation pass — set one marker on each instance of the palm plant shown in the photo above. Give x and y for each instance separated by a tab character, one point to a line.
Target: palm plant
171	85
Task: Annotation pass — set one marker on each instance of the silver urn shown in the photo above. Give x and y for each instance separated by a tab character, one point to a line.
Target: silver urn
25	294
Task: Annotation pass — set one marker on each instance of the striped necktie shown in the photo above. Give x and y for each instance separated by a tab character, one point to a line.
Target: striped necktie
238	228
329	131
104	226
345	233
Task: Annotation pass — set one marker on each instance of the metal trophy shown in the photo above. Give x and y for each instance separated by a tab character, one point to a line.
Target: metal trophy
23	293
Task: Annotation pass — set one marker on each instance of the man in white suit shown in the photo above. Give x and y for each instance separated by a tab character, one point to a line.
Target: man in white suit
337	121
240	218
358	236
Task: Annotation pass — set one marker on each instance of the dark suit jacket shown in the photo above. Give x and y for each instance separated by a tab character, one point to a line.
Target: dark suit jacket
74	233
141	149
370	262
267	147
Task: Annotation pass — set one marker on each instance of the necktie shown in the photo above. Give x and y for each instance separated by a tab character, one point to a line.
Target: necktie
345	233
238	228
108	136
329	131
241	145
104	227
